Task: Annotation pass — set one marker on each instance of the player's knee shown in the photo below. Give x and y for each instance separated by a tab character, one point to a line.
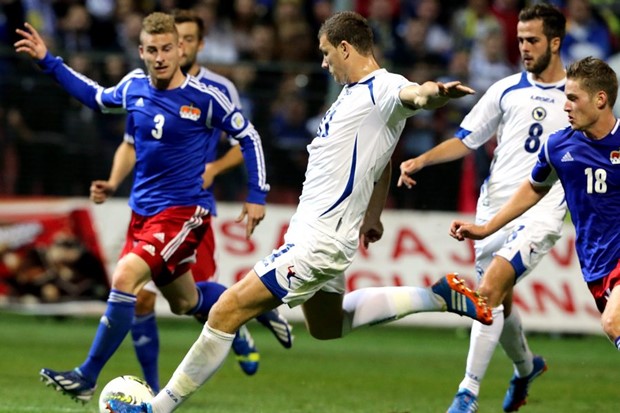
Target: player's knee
494	296
611	324
227	314
181	305
130	275
145	303
226	304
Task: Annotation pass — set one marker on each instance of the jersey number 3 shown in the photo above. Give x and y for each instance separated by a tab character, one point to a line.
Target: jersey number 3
158	131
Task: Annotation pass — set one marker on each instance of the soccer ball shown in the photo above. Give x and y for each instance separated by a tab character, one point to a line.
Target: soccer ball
130	389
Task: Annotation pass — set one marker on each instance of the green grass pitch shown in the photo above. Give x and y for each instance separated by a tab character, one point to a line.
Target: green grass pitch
376	370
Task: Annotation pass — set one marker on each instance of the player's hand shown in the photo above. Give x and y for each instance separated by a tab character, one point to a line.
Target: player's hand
371	233
208	176
255	214
407	168
100	191
32	43
460	230
454	89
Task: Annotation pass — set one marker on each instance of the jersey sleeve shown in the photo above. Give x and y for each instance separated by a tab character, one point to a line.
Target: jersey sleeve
392	106
84	89
129	129
482	122
224	115
543	174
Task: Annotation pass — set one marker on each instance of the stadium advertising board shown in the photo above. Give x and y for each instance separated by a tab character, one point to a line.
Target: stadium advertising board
415	250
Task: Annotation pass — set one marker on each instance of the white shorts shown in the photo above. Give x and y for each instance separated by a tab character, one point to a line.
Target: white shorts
523	243
295	272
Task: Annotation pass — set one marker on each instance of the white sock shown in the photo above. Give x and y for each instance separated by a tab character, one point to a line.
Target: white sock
376	305
515	346
482	344
200	363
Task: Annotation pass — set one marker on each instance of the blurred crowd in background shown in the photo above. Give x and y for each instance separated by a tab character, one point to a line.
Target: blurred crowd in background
51	145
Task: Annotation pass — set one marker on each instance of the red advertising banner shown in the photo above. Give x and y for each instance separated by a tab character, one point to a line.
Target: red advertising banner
50	253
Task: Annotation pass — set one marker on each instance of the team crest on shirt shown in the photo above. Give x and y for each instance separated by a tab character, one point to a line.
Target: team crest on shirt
189	112
614	157
539	113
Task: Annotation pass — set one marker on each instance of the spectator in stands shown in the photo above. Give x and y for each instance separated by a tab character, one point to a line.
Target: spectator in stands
414	47
491	64
382	17
74	32
245	16
614	63
586	33
472	23
507	12
288	128
220	47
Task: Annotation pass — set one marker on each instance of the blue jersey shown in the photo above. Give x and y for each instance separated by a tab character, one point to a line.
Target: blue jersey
589	171
172	130
209	78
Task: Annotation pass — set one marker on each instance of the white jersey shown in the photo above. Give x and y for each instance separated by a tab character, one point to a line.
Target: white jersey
523	113
353	145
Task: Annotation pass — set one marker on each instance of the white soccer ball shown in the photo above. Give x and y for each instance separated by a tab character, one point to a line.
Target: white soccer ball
130	389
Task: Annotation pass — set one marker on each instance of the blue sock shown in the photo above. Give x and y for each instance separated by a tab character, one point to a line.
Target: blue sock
617	343
146	343
208	293
113	327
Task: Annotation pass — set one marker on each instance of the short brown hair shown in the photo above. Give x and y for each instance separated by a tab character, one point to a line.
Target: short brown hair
189	16
594	75
159	23
554	22
351	27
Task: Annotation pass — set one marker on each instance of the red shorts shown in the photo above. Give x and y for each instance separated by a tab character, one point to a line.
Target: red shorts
168	241
601	288
204	267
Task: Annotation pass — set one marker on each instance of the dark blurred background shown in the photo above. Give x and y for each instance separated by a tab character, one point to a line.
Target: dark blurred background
50	145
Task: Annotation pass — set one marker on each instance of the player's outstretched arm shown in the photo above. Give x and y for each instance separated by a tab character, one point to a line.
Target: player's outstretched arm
31	43
444	152
432	95
526	197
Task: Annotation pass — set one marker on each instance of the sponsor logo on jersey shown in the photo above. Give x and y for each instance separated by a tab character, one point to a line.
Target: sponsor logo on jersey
543	99
614	157
237	121
140	103
567	157
539	113
189	112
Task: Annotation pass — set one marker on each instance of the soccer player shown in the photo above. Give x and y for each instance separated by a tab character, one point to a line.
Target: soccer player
340	206
585	158
144	327
521	110
173	120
